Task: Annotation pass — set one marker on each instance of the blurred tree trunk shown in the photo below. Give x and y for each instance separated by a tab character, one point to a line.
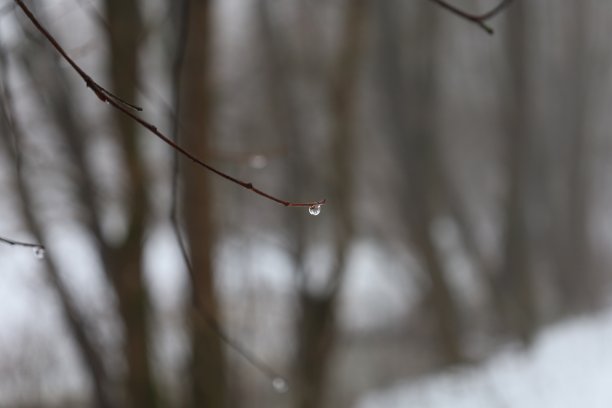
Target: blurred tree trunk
458	211
411	108
284	113
576	281
124	29
515	280
317	327
207	365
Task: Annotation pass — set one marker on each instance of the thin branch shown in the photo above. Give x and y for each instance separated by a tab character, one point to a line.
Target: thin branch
102	93
478	19
254	361
127	108
16	153
179	58
21	243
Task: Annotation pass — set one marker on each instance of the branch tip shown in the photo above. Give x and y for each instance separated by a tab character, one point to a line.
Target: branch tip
478	19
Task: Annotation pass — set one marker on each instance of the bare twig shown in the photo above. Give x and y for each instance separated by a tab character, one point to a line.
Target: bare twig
21	243
127	108
16	153
478	19
232	344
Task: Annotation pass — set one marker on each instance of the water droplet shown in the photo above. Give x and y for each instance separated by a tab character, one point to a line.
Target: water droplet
315	209
258	161
39	252
280	385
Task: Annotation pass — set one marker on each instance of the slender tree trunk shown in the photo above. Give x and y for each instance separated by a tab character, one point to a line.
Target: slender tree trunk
515	279
576	281
317	327
410	107
284	113
458	211
207	365
124	29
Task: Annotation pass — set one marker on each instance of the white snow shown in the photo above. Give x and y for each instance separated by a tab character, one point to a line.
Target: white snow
570	366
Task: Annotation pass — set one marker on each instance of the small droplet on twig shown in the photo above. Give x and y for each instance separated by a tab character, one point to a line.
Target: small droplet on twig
314	209
39	252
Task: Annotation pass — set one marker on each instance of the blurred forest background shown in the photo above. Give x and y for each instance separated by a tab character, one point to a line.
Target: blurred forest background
467	178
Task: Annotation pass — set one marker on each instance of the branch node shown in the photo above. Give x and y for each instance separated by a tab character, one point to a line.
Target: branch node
478	19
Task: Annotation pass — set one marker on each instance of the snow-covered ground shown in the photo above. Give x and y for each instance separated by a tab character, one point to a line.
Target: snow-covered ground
569	366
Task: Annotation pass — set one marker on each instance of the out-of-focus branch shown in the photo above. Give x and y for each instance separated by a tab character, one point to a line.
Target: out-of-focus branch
10	127
127	108
179	58
93	12
478	19
65	112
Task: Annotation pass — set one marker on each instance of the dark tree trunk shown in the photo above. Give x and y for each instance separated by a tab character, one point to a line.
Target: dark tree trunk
124	30
207	364
317	327
410	106
577	283
515	280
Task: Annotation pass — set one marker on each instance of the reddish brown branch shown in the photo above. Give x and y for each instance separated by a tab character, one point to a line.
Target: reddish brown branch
478	19
127	108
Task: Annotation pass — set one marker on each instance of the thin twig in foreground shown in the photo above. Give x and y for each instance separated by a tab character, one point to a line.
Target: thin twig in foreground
21	243
478	19
127	108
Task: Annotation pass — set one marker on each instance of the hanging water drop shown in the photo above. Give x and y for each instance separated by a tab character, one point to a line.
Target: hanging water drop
39	252
314	209
280	385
